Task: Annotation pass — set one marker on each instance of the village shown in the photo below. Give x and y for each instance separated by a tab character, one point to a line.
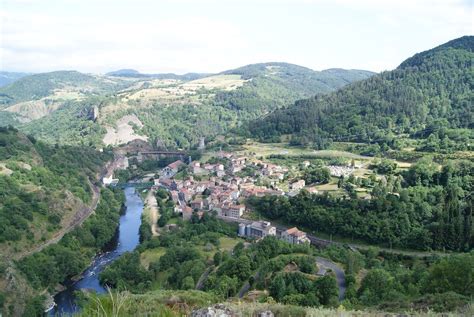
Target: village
222	184
224	191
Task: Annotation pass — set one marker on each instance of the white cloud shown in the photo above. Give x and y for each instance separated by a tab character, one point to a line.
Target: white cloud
181	35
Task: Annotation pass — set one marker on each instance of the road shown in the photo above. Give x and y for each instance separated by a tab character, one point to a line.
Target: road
203	278
340	275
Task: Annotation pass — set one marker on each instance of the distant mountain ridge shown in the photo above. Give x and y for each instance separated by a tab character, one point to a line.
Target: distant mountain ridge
430	90
132	73
175	110
9	77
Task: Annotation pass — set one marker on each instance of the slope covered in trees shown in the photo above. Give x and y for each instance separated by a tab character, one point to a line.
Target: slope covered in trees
428	94
176	110
40	184
43	189
422	208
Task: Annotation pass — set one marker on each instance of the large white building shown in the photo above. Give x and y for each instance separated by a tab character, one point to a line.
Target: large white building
257	229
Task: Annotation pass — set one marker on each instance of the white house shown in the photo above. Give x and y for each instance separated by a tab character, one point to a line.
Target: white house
294	236
171	170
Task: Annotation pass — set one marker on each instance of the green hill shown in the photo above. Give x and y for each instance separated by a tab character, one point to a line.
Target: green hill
45	192
172	110
37	86
428	94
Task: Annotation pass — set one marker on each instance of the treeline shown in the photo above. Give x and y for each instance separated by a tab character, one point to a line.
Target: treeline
51	171
74	252
419	99
194	251
422	208
387	281
399	283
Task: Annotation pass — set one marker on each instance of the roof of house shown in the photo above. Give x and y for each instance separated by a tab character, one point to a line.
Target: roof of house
295	232
176	164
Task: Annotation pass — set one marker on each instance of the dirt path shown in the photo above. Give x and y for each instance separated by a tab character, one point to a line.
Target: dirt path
152	205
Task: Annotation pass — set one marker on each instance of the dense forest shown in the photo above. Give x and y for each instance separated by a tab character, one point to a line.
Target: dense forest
69	257
422	208
42	187
428	96
35	180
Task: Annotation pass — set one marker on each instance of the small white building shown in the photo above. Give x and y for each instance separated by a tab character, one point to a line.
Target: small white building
234	211
171	170
298	185
109	180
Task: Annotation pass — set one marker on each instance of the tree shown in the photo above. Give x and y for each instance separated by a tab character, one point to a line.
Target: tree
188	283
278	287
375	286
327	291
317	175
454	273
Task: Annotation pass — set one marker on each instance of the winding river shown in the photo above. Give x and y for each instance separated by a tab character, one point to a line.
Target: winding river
125	240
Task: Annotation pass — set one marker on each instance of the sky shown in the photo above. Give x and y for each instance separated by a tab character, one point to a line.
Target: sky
155	36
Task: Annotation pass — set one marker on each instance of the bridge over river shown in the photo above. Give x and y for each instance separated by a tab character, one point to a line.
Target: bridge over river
137	185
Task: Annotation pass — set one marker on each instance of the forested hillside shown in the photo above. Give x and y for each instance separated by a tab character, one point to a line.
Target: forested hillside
37	86
45	190
274	85
428	95
41	185
168	109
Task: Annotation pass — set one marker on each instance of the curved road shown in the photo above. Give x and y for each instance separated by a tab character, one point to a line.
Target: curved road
340	275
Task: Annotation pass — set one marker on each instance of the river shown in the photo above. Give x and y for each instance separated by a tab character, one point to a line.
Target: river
126	239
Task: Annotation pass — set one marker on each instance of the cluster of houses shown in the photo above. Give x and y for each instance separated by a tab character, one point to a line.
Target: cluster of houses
223	189
261	229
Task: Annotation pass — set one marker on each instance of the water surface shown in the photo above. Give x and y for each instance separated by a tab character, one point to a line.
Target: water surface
126	239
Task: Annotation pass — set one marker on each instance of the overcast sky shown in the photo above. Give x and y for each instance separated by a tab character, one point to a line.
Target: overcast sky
180	36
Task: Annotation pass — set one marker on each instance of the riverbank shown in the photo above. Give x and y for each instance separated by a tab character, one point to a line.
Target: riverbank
125	239
151	212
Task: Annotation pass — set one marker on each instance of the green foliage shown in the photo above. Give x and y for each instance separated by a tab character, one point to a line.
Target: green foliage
70	124
452	274
386	167
319	175
34	307
296	289
52	169
37	86
434	210
72	254
180	123
376	287
411	99
126	273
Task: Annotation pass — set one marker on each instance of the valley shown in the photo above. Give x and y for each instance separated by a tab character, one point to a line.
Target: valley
269	187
